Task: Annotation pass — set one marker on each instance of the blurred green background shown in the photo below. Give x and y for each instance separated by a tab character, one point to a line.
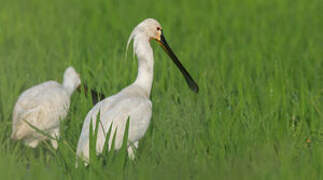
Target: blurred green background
259	65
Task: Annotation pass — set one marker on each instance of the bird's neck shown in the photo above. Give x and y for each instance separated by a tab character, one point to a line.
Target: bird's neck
68	87
145	57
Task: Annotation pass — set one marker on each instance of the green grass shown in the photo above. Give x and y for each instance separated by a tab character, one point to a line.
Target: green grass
259	65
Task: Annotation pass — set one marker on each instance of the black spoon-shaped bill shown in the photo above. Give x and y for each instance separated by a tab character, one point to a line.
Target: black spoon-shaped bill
189	80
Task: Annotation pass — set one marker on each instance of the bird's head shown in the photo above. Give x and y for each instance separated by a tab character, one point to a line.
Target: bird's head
150	29
71	80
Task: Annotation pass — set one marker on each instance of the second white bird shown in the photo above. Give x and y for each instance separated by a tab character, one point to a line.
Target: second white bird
41	108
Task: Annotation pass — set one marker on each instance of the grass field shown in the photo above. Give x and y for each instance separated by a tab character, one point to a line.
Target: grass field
259	65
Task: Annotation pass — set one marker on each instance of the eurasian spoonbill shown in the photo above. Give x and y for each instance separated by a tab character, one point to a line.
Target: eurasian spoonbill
133	101
41	108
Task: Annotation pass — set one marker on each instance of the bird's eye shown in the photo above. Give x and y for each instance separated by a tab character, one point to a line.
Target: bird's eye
158	28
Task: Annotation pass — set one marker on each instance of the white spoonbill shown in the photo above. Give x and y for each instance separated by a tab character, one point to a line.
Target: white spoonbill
133	101
42	107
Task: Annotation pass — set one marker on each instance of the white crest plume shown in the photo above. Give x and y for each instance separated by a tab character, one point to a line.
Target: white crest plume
131	37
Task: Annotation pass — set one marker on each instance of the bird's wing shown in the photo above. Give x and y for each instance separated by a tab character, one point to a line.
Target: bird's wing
42	106
29	99
139	111
35	95
83	143
20	128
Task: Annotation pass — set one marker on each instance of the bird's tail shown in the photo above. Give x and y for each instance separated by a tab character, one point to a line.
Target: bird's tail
16	135
20	132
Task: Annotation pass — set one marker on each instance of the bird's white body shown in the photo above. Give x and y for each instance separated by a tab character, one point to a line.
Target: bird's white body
43	106
133	102
115	110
